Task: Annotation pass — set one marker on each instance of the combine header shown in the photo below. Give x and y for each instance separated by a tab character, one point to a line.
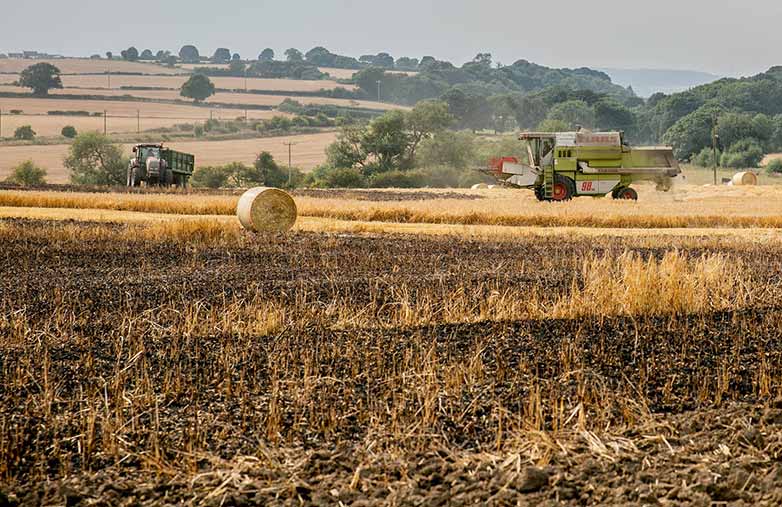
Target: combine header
564	165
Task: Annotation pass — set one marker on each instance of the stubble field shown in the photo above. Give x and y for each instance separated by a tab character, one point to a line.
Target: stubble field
183	360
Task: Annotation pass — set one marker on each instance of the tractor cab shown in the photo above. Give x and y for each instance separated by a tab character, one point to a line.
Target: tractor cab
146	151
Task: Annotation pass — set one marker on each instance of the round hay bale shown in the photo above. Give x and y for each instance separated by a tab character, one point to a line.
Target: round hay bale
480	186
264	209
745	178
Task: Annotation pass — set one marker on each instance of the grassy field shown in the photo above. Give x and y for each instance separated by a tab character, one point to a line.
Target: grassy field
308	152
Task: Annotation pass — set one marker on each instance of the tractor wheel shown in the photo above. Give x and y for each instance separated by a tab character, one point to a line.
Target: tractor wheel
540	193
167	178
627	194
134	178
564	188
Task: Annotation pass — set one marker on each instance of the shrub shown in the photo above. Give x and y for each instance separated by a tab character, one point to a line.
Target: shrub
775	166
16	111
210	177
27	174
25	133
198	131
333	177
398	179
69	131
706	157
743	154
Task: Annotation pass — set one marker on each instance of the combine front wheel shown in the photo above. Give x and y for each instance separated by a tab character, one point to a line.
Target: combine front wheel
627	194
564	189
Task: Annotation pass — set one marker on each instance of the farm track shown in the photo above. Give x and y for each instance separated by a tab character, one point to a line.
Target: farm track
120	377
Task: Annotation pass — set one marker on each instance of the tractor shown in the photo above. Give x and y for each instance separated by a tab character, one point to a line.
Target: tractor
563	165
155	165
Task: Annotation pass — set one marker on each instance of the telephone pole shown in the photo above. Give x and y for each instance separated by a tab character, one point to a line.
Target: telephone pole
714	139
290	161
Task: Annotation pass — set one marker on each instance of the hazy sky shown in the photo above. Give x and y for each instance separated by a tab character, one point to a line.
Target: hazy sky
723	37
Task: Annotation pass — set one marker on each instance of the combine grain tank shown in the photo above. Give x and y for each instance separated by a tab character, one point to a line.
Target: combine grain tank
154	164
560	166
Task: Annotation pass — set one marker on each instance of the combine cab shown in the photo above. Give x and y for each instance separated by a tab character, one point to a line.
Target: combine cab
560	166
155	165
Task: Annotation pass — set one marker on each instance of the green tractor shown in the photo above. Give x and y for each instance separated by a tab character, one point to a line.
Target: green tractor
155	165
564	165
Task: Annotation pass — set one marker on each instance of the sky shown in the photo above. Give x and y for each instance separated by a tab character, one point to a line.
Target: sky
725	38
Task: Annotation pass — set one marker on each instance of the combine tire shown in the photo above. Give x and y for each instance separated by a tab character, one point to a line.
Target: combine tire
564	188
627	194
540	193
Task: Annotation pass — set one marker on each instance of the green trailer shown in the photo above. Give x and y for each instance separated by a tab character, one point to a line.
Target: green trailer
563	165
155	165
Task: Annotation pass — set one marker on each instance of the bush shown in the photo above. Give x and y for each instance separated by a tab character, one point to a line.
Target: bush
775	166
454	149
16	111
210	177
25	133
398	179
743	154
333	177
198	131
706	158
28	174
69	132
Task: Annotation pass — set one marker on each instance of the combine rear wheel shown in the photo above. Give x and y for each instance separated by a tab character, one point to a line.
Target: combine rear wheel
627	194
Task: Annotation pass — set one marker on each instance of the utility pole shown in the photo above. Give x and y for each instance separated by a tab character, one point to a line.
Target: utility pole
245	80
290	161
714	139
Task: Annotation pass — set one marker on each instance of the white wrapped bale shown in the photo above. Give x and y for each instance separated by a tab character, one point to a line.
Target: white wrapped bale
268	210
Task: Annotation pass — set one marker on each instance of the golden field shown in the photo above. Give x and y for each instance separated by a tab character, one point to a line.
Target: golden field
308	152
249	99
86	66
176	82
686	207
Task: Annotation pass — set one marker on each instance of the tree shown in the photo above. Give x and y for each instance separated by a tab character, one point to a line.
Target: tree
611	115
69	131
198	88
745	153
426	118
27	174
267	55
484	59
471	111
147	55
574	113
222	55
189	54
237	67
130	54
25	133
269	172
94	160
553	126
41	77
293	55
109	55
448	148
236	57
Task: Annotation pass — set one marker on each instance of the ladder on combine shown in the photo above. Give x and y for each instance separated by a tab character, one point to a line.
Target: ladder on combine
548	181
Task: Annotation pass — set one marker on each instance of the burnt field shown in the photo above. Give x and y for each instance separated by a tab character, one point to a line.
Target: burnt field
326	369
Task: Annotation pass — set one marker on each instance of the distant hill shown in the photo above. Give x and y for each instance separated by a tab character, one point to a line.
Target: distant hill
646	82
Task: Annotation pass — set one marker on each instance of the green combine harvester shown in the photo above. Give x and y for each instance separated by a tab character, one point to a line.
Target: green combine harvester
155	165
564	165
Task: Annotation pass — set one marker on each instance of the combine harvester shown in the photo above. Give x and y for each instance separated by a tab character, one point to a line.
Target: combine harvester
564	165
